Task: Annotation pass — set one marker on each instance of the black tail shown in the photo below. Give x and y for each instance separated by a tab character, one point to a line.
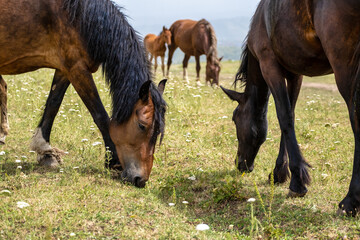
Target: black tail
242	73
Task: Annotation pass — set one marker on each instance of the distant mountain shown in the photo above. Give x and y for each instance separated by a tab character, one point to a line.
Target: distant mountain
230	33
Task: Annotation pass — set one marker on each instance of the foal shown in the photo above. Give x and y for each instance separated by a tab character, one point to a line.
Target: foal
155	46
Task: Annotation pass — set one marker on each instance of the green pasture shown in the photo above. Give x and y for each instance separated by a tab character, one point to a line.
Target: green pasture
194	169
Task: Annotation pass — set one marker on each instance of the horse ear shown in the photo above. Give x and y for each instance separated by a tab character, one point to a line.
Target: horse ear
161	86
164	28
233	95
144	91
221	58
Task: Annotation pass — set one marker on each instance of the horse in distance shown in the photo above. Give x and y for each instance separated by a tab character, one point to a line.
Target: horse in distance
288	39
75	37
196	38
155	46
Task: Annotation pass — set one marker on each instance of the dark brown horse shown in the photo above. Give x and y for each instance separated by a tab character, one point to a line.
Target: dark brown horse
196	38
288	39
75	37
155	46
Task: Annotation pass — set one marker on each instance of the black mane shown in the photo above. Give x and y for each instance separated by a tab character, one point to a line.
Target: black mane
114	44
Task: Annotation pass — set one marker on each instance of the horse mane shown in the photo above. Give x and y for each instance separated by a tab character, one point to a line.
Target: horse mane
212	52
242	73
113	43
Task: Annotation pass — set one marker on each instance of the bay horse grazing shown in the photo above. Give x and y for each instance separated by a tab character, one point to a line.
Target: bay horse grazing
155	46
196	38
288	39
75	37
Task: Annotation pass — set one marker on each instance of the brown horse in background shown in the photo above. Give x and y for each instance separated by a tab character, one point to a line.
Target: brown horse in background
196	38
155	46
288	39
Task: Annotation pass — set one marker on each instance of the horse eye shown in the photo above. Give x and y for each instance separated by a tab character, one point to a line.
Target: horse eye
142	127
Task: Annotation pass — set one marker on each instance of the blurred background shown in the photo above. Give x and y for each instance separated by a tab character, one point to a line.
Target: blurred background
230	19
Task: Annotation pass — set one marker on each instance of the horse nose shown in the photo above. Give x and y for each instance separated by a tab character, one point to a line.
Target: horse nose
139	182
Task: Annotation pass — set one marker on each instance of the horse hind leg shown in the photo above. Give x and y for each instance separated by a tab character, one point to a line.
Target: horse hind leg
281	171
4	127
47	155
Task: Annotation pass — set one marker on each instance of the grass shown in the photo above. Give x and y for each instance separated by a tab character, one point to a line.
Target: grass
195	164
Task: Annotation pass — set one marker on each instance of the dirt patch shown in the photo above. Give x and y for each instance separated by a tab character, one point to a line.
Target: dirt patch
324	86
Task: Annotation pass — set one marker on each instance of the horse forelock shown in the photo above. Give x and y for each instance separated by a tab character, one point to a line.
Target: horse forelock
113	43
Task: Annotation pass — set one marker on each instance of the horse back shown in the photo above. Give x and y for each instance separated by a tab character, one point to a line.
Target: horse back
36	34
287	29
182	35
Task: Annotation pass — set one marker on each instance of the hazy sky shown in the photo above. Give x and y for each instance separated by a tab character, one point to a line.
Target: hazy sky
142	12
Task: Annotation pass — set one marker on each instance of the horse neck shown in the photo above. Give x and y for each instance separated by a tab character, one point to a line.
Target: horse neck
159	40
258	95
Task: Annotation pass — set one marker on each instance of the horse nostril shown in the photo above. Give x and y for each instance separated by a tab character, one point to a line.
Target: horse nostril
139	182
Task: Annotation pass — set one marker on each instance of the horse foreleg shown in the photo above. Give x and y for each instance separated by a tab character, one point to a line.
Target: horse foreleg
281	170
48	156
4	128
185	65
84	85
274	78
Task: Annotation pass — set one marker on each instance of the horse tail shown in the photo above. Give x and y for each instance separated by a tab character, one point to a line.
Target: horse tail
242	73
212	52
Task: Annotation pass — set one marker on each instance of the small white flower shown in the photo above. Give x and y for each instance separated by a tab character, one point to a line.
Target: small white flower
32	151
192	178
202	227
185	202
96	143
171	204
324	175
75	167
223	117
18	161
251	200
84	140
2	153
72	234
5	192
22	204
19	167
200	169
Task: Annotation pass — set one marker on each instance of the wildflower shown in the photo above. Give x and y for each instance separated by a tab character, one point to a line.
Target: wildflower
19	167
18	161
96	143
171	204
250	200
5	192
202	227
2	153
22	204
192	178
72	234
84	140
185	202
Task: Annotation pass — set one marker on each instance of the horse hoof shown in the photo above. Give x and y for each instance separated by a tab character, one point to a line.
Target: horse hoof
52	159
292	194
48	161
2	140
